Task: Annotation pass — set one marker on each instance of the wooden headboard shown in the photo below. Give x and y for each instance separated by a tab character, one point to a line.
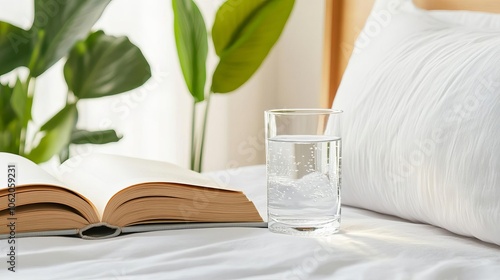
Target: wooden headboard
346	18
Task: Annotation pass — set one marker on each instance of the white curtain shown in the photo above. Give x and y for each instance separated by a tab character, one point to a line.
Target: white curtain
155	119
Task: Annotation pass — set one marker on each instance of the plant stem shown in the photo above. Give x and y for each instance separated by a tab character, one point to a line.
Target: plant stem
24	129
22	142
203	131
64	154
193	137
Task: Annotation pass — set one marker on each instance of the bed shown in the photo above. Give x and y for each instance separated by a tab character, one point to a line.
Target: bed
370	246
439	221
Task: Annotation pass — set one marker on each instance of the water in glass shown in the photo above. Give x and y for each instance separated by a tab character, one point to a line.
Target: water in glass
304	181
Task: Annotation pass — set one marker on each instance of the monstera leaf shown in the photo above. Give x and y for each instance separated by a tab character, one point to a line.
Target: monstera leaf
105	65
243	33
58	25
192	45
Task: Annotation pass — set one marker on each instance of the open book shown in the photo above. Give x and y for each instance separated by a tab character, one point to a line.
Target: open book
105	195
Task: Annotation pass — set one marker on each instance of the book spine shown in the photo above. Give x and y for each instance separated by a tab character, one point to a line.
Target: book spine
99	231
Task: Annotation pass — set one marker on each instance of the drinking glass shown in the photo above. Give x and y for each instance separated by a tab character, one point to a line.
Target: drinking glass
303	162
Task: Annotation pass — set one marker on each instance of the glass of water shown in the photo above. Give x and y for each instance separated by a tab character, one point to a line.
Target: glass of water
304	156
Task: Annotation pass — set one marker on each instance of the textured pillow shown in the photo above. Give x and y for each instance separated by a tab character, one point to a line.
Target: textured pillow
421	133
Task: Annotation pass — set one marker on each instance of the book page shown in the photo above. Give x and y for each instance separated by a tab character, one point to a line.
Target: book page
100	176
27	173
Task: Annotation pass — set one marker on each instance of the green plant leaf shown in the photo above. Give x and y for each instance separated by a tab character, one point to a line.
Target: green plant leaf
10	137
15	47
57	135
94	137
10	126
21	102
7	113
105	65
244	32
59	24
192	45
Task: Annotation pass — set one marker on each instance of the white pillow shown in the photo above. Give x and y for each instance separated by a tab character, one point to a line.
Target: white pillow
421	131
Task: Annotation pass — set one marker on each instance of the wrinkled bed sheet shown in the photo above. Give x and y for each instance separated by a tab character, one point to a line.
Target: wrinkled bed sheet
369	246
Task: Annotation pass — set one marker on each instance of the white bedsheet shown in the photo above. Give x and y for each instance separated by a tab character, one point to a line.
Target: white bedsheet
369	246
